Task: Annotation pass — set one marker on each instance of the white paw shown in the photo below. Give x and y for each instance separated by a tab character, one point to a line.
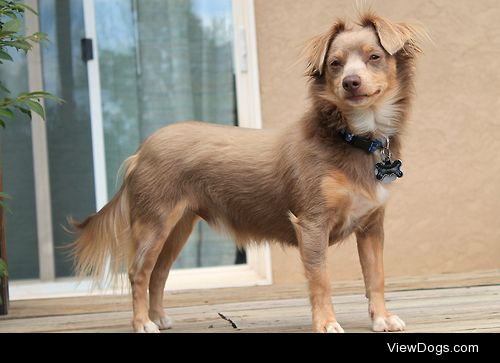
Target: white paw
147	327
388	324
164	323
334	328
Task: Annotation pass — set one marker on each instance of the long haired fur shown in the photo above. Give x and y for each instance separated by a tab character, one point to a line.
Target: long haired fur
299	185
102	249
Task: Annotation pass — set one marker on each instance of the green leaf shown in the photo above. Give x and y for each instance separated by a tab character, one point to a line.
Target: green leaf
6	56
4	196
10	14
36	93
3	88
3	268
5	207
3	273
35	107
24	110
24	6
9	35
2	123
5	112
13	26
45	95
4	102
38	37
20	44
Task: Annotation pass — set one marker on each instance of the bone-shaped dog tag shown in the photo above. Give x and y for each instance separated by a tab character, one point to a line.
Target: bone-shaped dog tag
388	171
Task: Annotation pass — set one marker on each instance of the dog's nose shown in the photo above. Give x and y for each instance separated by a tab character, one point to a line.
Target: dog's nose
351	83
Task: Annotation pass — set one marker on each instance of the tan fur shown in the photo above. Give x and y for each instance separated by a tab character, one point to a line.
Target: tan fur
319	287
395	37
150	240
171	249
299	185
317	48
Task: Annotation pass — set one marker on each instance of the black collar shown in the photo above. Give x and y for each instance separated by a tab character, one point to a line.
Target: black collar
368	145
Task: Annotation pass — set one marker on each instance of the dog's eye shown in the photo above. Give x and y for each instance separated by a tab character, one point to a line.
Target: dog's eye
374	57
336	63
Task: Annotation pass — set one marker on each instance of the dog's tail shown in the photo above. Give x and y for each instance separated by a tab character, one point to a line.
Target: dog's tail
104	242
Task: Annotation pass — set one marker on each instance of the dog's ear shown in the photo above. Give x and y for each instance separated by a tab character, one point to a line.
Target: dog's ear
317	48
396	36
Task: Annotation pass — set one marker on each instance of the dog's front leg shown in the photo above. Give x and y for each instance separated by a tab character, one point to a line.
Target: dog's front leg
370	248
313	245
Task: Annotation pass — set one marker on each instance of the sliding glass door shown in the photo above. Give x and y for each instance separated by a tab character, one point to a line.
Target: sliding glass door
160	62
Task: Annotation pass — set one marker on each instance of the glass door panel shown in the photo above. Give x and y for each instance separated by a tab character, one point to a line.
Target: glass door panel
16	154
68	125
161	62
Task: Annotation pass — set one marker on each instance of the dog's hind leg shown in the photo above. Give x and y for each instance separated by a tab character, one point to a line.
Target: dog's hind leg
149	239
313	245
171	249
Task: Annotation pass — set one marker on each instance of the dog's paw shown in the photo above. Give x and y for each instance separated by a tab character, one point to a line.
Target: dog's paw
328	327
164	323
389	323
146	327
334	328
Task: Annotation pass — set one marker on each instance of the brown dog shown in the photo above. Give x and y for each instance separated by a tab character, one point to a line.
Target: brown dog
310	184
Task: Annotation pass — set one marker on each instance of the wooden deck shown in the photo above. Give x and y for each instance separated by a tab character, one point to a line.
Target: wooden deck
444	303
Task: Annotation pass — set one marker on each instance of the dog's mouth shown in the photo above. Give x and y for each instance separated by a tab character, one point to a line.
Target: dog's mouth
355	98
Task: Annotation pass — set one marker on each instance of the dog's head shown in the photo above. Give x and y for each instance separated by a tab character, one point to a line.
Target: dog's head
355	67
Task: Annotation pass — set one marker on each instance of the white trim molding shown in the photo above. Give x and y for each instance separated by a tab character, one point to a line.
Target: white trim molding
40	157
247	65
249	105
94	80
179	280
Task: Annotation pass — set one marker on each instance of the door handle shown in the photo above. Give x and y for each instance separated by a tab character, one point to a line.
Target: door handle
87	49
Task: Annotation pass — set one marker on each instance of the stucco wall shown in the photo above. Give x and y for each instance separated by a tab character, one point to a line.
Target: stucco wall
444	215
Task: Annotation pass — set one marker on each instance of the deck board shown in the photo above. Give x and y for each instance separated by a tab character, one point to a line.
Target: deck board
444	303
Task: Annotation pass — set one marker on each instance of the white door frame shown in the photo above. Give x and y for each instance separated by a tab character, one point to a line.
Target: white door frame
97	124
249	105
45	235
257	270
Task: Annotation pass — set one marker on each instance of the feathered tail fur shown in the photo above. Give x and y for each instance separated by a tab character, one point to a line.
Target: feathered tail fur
102	249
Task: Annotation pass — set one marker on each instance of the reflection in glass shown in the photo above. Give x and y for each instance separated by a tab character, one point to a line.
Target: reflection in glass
16	159
68	125
166	61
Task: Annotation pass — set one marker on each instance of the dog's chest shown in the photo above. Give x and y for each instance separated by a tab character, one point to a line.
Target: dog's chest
382	120
362	203
350	205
